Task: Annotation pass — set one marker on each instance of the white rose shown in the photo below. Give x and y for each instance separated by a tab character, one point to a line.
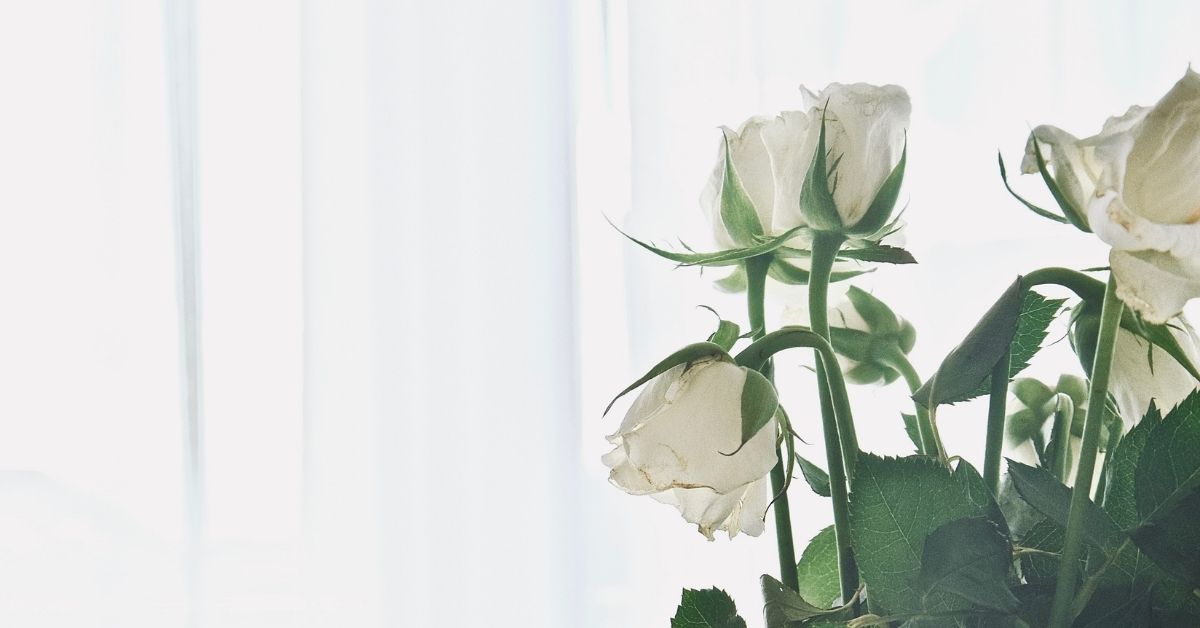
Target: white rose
1138	182
672	445
865	126
753	169
1141	373
864	138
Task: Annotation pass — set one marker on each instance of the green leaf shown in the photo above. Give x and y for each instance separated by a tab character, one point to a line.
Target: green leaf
1037	312
969	557
1115	607
1169	465
969	365
882	253
1019	319
1034	208
818	569
1175	604
1119	493
1127	569
718	258
784	271
1053	499
911	428
1038	567
816	199
1172	539
979	494
1035	603
817	478
1167	491
895	504
759	403
880	210
785	608
706	608
686	355
1073	214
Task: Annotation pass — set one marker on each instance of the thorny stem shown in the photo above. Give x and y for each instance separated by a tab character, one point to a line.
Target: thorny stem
1110	319
756	274
930	444
838	424
995	424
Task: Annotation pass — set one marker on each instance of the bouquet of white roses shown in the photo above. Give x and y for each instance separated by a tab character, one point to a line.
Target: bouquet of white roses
808	197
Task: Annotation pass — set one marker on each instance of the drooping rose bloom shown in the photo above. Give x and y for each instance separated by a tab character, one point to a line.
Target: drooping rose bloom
673	442
1138	184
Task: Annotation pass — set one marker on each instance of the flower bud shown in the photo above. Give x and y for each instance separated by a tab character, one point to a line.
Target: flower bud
868	336
1035	403
849	187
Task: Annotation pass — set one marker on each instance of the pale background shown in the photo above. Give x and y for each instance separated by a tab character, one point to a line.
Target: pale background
411	310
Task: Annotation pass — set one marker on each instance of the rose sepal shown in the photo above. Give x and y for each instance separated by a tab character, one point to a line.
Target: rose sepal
1044	213
816	198
1072	213
737	210
880	210
786	272
687	355
727	257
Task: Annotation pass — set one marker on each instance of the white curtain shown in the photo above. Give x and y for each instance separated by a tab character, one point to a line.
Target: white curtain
405	309
382	338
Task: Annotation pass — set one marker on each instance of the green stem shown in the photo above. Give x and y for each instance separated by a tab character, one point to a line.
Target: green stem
1110	319
930	445
756	275
995	425
1114	440
824	252
1085	287
1093	581
838	423
1060	433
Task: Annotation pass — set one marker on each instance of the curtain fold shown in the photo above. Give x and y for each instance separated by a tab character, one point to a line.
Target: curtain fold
413	307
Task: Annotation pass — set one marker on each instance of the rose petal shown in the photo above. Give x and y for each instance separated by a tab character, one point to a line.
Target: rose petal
1164	163
1154	284
684	441
753	168
741	510
1142	373
1115	223
865	127
1080	165
791	139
